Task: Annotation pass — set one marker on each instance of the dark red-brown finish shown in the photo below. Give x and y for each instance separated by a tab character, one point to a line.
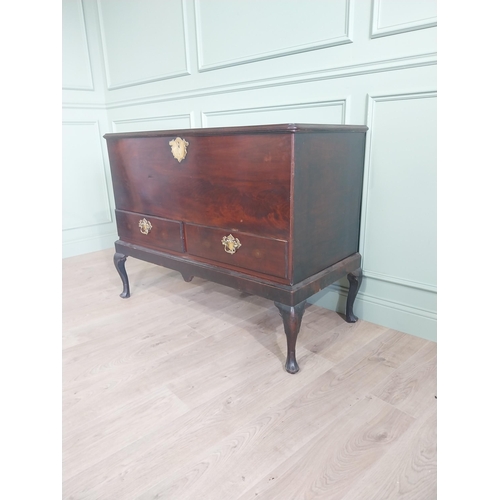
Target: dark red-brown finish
290	193
164	234
327	199
263	255
355	278
292	318
243	280
119	260
238	182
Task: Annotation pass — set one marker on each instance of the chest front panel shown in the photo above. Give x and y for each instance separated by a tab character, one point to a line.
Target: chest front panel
238	182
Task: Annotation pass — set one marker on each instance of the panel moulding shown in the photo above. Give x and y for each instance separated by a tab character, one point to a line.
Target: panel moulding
315	104
378	31
426	287
90	85
159	77
319	44
372	100
153	119
84	105
109	218
395	64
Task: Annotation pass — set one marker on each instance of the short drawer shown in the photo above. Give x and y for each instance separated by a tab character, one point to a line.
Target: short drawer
250	252
149	231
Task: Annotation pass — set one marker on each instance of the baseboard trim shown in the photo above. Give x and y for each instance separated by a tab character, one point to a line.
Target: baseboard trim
88	245
407	319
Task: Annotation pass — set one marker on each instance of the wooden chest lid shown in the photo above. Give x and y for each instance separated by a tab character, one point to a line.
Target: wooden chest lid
284	128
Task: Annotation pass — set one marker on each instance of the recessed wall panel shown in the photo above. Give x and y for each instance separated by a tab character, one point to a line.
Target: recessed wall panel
76	71
399	214
331	112
143	41
234	32
152	123
85	199
395	16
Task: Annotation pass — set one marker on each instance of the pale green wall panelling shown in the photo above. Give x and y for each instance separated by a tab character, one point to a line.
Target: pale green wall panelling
394	16
143	42
76	74
153	123
83	76
319	112
85	195
87	199
399	220
88	219
257	30
191	63
360	55
76	71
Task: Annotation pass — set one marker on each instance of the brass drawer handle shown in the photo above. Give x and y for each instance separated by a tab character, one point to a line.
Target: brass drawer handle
231	244
145	226
179	148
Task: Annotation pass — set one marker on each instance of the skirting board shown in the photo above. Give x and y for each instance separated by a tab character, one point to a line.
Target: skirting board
402	318
88	245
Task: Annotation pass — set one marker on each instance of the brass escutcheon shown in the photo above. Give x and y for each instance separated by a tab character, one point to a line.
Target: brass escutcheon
179	148
145	226
231	244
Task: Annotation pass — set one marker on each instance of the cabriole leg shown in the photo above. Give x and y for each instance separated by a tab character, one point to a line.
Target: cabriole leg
355	279
292	318
119	260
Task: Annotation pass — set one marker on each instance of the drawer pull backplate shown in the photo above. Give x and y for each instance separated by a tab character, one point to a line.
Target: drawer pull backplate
231	244
145	226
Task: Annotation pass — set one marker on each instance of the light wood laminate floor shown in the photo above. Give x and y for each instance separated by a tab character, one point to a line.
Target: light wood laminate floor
179	392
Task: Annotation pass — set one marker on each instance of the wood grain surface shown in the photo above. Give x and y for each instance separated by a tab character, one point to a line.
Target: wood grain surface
179	392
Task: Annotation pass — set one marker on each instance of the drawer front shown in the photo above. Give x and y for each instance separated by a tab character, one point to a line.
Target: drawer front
236	181
262	255
148	231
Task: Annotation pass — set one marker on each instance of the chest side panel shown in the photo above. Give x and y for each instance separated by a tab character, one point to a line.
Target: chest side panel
241	182
328	179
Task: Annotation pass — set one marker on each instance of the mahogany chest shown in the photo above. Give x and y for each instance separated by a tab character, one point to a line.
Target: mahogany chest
269	210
